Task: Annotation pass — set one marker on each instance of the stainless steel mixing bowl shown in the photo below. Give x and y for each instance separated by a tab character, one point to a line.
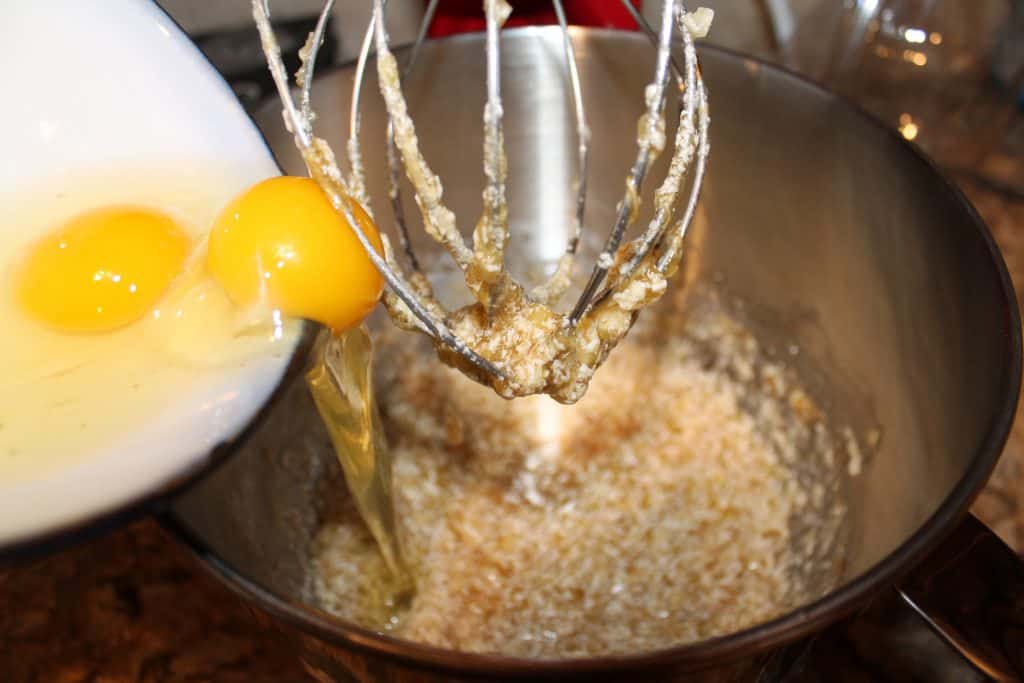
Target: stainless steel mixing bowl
837	234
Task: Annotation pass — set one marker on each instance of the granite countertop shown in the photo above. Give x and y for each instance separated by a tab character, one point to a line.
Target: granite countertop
130	607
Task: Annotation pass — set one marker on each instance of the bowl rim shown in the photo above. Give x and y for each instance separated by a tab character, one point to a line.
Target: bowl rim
760	638
155	498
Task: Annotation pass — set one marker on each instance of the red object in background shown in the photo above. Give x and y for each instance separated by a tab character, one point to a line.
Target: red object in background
466	16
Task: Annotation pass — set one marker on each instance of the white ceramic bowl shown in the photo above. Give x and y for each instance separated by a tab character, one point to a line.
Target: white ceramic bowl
91	84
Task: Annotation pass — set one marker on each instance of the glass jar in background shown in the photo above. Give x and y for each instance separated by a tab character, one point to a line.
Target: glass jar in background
948	74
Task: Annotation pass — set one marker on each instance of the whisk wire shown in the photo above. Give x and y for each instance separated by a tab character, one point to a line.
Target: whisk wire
647	149
308	54
684	150
491	234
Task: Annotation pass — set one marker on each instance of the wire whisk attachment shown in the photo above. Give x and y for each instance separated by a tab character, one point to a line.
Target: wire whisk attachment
512	338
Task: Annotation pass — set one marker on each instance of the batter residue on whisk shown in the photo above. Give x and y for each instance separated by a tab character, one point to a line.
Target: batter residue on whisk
509	338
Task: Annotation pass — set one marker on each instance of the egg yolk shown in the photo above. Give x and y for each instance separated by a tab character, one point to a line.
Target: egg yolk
102	269
282	242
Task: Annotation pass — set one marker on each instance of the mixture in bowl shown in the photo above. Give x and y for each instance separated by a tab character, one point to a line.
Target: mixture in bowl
693	492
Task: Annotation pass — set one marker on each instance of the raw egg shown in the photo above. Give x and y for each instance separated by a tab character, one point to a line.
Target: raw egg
111	319
282	242
102	269
124	294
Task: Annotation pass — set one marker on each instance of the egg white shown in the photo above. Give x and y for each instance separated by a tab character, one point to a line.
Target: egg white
66	397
